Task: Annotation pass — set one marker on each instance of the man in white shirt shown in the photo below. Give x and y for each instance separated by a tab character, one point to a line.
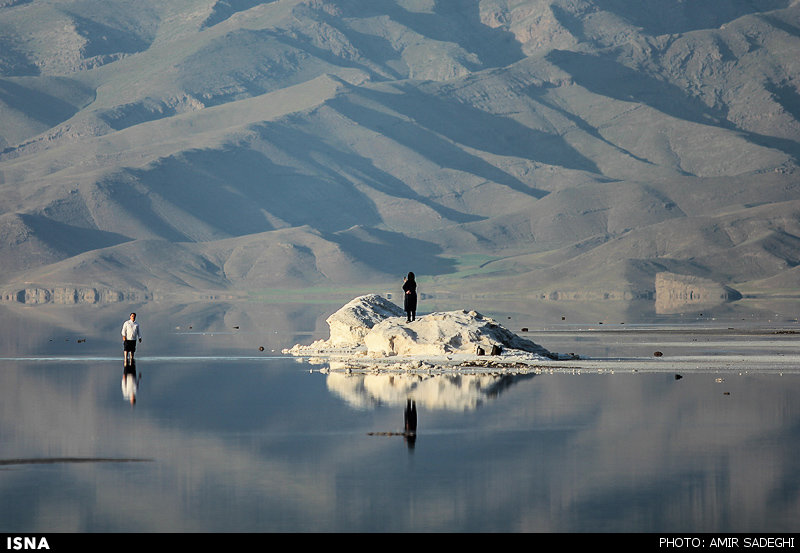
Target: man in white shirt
130	333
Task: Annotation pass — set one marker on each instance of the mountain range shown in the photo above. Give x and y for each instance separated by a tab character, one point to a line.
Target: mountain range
562	149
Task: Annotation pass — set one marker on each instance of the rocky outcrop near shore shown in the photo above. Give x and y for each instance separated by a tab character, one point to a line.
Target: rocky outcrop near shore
68	295
674	293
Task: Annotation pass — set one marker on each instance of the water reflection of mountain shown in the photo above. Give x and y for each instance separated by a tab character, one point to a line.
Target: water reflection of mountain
435	391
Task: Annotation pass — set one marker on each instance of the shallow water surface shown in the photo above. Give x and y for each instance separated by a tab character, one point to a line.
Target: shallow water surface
223	436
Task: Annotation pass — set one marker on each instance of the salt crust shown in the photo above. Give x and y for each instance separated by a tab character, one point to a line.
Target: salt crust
371	332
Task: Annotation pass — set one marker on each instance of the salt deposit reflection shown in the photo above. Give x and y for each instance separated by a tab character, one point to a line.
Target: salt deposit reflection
445	392
451	392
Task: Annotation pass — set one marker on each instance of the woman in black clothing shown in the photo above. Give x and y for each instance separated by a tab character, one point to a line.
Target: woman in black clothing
410	301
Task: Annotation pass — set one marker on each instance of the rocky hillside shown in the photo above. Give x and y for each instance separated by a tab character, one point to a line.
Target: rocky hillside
548	148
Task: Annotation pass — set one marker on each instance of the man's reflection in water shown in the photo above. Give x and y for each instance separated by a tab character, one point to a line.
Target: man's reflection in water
410	423
130	382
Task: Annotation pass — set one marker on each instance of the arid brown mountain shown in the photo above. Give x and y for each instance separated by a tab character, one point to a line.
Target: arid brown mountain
539	148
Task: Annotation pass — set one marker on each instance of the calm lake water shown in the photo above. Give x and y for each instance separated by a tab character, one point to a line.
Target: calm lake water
224	437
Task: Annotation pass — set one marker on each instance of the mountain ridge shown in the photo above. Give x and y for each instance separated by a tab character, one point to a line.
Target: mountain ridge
346	142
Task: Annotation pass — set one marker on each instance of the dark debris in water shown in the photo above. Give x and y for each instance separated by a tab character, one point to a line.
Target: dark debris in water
53	460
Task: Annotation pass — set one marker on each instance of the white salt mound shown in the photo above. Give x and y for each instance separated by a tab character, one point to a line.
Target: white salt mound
373	325
350	325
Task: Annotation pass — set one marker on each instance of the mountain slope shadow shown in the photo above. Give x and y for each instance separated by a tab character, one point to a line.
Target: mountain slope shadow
224	9
423	140
610	78
393	253
660	17
232	189
326	160
449	21
69	239
482	130
47	101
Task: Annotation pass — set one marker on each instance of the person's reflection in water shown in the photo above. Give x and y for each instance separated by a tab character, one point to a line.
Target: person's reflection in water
410	423
130	382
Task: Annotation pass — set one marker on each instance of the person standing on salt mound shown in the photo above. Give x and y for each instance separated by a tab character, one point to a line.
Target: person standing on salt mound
410	301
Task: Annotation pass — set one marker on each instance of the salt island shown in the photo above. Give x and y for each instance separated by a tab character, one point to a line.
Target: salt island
371	332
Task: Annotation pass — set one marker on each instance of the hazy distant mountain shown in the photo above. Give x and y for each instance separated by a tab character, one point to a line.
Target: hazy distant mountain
541	147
